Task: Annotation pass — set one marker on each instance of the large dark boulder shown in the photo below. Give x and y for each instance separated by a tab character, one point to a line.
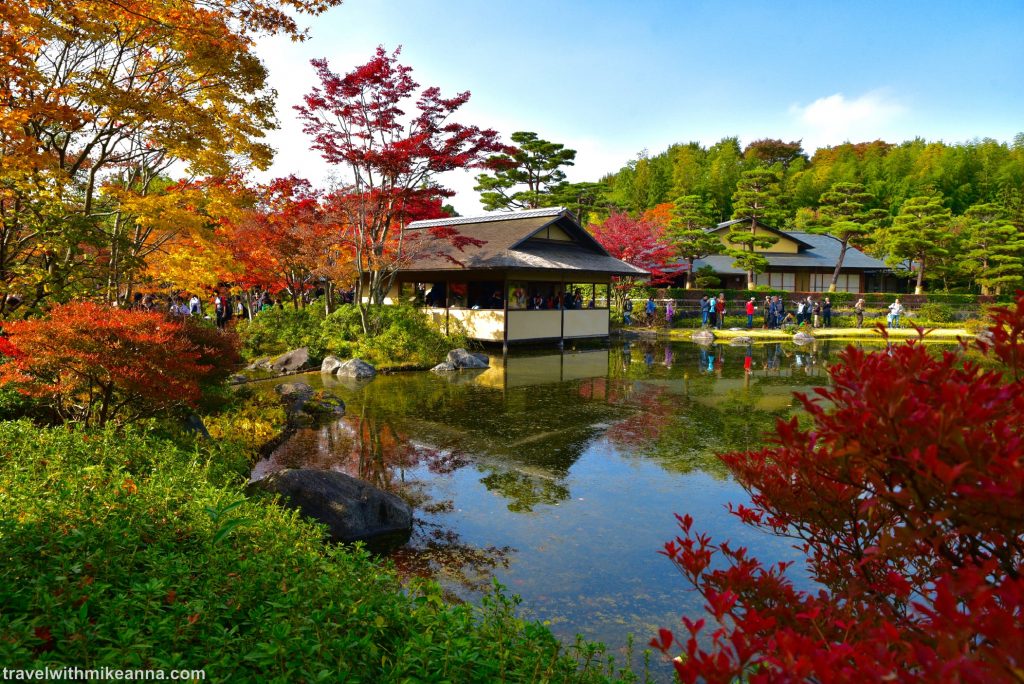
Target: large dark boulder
290	362
294	395
352	509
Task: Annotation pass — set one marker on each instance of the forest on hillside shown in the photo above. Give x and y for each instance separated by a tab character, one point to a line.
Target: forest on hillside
958	208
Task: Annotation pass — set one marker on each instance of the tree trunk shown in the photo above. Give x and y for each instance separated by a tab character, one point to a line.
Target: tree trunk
328	297
839	265
689	275
919	289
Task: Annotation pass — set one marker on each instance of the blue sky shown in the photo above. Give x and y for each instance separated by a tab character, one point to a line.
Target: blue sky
610	79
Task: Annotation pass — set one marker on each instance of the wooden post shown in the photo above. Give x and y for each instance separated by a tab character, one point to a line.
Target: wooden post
504	297
561	332
447	294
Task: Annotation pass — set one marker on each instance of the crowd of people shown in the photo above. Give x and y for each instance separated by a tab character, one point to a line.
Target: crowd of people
218	305
774	312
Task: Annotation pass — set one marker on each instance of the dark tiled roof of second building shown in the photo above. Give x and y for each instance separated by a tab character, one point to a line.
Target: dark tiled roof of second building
822	254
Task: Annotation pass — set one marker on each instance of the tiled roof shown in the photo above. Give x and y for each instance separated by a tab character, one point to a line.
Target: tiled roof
822	254
507	244
493	216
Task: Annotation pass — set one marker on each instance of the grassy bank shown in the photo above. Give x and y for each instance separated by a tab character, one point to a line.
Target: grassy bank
138	549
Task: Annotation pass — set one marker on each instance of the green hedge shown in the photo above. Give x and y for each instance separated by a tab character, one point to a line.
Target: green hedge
125	550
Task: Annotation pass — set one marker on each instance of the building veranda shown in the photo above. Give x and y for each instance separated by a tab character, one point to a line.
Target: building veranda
527	276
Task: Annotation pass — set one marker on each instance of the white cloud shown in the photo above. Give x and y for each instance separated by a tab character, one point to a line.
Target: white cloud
835	119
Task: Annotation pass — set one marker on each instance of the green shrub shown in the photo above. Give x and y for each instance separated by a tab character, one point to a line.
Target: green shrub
125	550
397	335
936	312
277	330
705	277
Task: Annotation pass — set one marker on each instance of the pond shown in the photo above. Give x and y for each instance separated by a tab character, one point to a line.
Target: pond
558	474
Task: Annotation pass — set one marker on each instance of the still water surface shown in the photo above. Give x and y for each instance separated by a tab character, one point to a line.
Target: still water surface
558	474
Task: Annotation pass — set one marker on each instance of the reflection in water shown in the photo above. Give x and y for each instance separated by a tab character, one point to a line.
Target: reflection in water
559	474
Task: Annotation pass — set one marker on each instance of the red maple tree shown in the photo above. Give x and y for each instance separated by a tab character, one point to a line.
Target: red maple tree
359	121
269	239
907	495
639	243
94	363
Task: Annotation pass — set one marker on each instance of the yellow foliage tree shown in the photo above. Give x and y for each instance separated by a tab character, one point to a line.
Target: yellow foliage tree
99	94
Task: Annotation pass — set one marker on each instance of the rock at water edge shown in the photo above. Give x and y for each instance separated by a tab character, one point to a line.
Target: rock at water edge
290	362
356	368
330	364
352	509
460	358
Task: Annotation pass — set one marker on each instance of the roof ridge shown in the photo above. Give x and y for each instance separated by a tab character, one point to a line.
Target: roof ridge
483	218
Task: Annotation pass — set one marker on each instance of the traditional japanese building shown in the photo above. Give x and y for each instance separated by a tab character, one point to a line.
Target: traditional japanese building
511	277
800	262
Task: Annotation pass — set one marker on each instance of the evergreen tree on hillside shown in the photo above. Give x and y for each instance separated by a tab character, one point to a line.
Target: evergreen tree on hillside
994	249
845	215
756	201
688	232
724	166
769	152
524	176
582	199
918	232
688	164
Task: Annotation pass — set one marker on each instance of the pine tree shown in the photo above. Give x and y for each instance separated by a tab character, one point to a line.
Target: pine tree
535	164
994	249
844	214
917	233
688	232
756	201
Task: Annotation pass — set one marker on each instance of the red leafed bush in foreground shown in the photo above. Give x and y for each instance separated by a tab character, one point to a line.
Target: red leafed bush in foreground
907	495
94	363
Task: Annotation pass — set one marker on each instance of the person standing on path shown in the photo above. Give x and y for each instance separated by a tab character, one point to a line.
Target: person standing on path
627	312
219	308
895	309
670	312
750	313
705	307
720	310
649	309
858	310
826	310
